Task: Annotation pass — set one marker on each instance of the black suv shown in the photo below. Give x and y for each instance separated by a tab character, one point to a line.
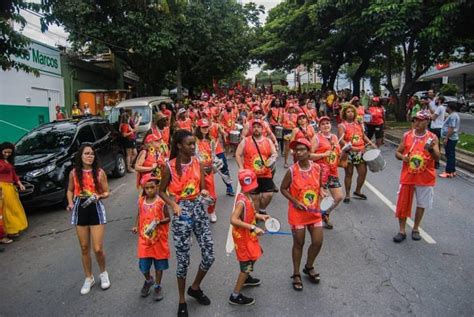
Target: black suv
45	156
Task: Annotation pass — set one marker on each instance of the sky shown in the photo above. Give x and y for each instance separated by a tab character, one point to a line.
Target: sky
268	4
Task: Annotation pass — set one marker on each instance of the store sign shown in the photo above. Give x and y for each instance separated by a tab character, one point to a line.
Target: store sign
42	57
441	66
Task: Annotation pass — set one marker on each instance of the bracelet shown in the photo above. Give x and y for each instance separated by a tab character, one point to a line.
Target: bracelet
252	229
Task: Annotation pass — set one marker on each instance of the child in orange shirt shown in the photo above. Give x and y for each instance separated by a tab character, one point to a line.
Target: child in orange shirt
245	234
152	228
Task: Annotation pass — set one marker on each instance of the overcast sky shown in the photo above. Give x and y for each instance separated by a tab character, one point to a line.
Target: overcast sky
268	4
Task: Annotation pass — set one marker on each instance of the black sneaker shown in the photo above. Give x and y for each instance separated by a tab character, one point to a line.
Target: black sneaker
251	281
399	237
241	300
199	296
183	310
146	289
327	223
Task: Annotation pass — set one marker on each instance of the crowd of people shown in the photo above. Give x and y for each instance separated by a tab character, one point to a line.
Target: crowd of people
188	145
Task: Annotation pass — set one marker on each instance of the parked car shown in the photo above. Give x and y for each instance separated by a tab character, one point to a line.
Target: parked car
144	106
45	156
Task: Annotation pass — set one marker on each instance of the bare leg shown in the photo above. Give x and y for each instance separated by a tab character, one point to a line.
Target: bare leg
97	235
402	222
316	244
158	277
83	235
256	201
361	175
349	170
265	200
418	216
286	144
337	195
181	287
297	250
198	279
240	282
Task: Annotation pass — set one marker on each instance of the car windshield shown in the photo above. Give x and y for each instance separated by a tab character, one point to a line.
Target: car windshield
143	111
49	139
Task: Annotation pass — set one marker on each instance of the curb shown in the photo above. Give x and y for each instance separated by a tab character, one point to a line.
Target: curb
469	166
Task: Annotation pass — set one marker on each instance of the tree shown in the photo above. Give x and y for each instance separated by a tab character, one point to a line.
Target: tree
14	44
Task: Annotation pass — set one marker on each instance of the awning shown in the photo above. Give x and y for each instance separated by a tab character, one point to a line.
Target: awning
455	70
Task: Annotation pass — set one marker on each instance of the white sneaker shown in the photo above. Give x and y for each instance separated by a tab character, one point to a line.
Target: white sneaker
213	217
88	283
104	280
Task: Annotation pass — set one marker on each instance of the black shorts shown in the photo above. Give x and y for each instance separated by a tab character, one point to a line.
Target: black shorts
265	185
246	266
92	215
375	129
129	144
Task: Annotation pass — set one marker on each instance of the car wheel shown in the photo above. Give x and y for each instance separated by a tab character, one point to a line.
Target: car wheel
471	110
120	166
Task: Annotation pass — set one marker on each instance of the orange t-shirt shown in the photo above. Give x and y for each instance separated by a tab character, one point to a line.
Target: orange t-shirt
420	170
289	121
186	124
252	159
305	187
246	243
188	185
354	133
153	246
152	156
307	133
228	120
329	163
377	115
125	128
214	133
204	148
276	116
88	186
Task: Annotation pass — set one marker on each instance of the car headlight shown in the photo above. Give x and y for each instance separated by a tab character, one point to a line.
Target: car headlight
41	171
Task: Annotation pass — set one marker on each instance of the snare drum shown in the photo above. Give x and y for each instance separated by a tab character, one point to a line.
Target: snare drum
374	160
326	203
279	132
234	137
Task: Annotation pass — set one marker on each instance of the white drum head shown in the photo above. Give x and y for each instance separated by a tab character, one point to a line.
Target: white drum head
326	203
371	155
272	225
239	126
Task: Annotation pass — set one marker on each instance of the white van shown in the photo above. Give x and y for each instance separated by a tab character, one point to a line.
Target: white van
144	106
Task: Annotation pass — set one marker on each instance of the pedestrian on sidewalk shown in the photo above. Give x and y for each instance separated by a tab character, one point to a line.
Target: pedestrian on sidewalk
129	140
245	234
86	188
437	110
14	217
182	185
152	226
450	135
303	185
327	153
376	125
418	151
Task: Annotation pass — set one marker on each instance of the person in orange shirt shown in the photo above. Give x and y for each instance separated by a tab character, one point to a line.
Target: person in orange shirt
302	185
86	188
377	121
327	152
245	232
418	151
162	130
227	119
183	187
303	128
183	122
150	159
350	131
267	131
289	123
205	152
152	228
258	153
129	140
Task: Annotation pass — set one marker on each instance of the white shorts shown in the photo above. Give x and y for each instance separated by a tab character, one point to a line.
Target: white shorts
424	196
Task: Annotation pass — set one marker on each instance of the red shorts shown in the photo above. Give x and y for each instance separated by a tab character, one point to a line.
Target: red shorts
310	225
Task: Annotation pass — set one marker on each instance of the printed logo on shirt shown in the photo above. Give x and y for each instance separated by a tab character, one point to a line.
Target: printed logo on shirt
310	197
355	138
332	157
417	163
257	164
188	190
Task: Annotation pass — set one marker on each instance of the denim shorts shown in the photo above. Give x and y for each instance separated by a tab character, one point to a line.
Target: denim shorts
145	264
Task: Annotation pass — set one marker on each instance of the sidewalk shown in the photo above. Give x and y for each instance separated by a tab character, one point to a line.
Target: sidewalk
464	159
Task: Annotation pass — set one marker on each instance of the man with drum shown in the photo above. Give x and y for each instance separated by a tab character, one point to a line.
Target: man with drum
267	131
258	153
227	119
418	150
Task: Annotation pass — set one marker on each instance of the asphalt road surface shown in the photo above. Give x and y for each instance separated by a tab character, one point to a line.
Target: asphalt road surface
467	123
363	273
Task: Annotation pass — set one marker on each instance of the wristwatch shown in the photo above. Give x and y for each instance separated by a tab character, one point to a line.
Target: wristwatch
252	228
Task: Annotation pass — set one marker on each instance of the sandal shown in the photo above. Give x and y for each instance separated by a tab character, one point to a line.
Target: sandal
360	196
346	200
415	235
297	286
313	277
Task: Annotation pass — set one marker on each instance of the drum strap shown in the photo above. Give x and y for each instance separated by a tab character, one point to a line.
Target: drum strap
259	154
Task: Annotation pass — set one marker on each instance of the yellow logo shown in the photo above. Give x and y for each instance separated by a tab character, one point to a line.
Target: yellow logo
355	138
149	235
258	164
417	163
332	157
310	198
189	190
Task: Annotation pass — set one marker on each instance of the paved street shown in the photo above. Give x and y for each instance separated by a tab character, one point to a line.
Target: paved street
363	272
467	122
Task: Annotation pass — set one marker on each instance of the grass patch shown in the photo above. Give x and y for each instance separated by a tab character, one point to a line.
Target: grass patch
396	124
466	142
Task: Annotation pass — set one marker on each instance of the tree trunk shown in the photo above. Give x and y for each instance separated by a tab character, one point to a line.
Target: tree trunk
361	70
179	80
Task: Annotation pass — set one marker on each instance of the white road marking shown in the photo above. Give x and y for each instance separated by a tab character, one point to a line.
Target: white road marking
390	205
117	188
229	245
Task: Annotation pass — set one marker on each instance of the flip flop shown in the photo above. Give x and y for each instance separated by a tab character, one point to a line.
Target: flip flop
360	196
6	241
346	200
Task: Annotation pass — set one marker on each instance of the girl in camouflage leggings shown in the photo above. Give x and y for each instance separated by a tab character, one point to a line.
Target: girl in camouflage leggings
181	187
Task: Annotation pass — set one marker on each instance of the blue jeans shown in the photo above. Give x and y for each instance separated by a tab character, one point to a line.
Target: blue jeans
225	169
450	152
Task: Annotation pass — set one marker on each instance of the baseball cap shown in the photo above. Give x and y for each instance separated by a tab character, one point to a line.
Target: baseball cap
181	111
159	116
257	121
303	141
257	109
301	114
151	137
324	118
147	178
203	123
247	180
423	115
376	99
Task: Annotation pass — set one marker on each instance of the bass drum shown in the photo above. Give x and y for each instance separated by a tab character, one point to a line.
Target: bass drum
234	137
